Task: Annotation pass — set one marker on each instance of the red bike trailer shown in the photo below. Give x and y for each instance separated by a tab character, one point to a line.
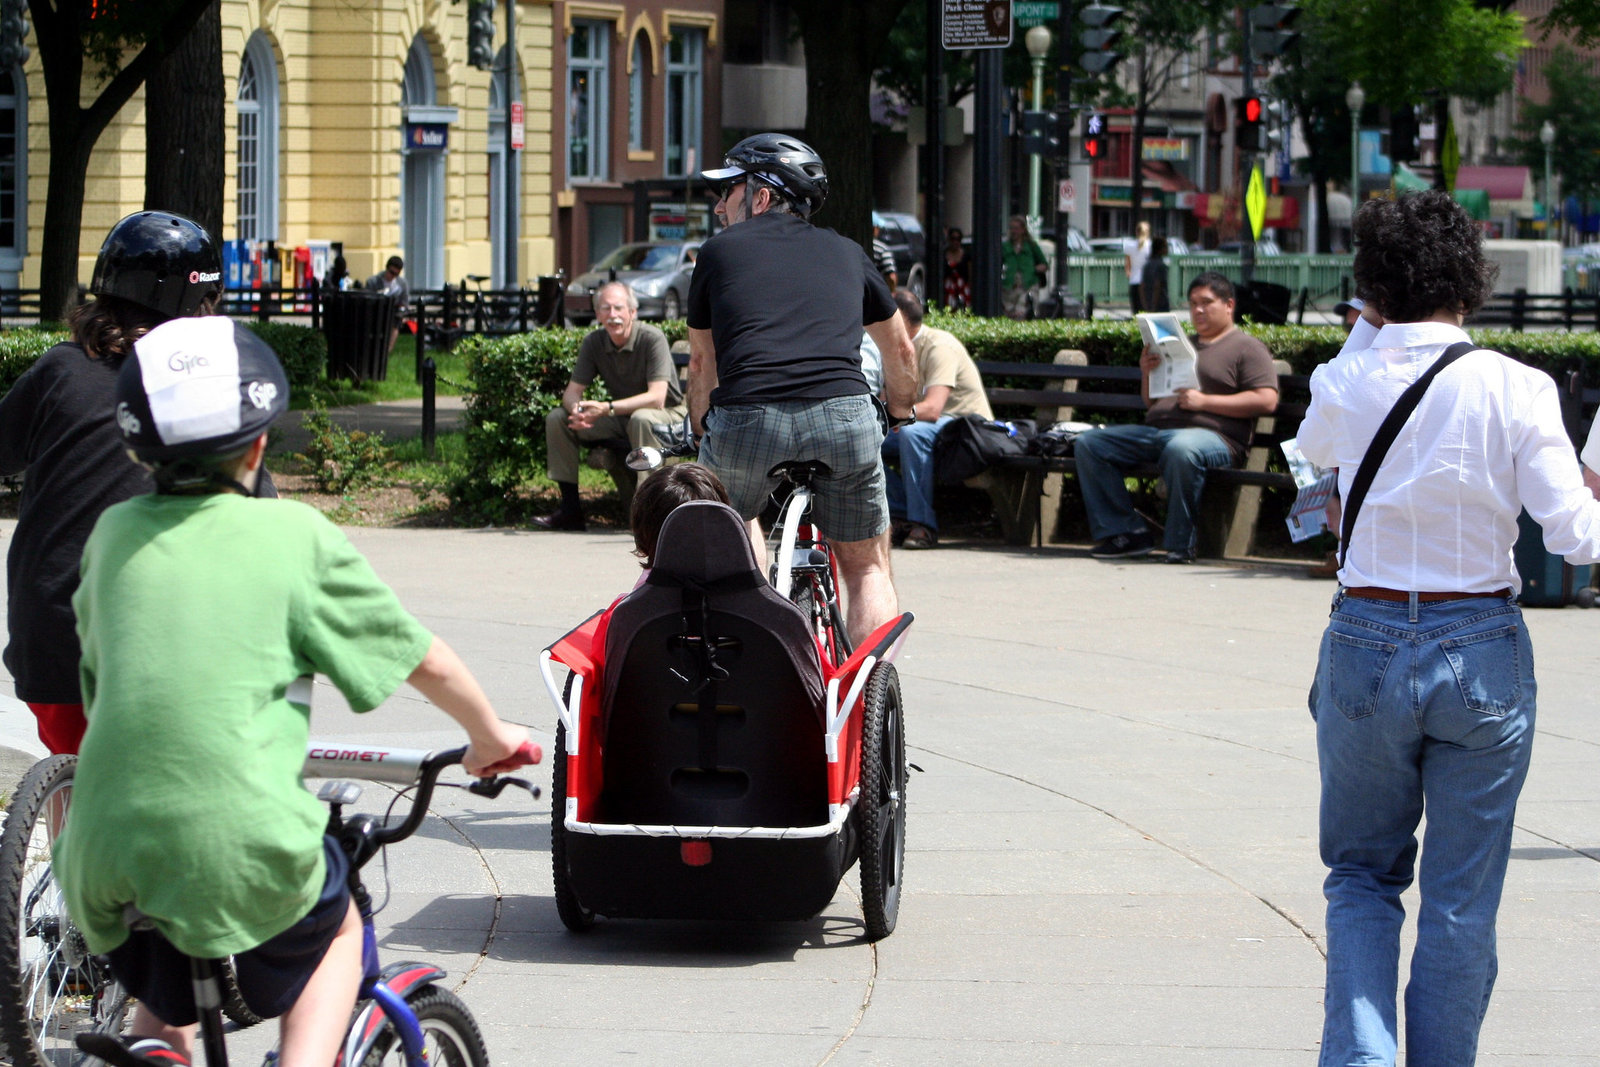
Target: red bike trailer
711	762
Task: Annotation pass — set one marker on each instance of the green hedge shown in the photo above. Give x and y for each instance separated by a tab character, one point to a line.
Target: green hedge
19	349
1113	342
302	350
516	382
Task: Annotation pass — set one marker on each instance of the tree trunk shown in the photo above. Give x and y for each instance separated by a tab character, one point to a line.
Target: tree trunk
74	129
183	133
842	41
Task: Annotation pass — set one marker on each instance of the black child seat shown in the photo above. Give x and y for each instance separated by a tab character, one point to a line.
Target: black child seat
712	716
714	703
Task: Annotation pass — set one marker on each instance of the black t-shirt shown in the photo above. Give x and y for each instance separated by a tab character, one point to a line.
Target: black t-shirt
56	423
785	303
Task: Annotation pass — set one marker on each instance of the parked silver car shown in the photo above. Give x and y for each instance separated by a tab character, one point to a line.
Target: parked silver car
657	272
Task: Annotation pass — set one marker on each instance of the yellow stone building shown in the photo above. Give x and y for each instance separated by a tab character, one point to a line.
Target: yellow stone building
351	121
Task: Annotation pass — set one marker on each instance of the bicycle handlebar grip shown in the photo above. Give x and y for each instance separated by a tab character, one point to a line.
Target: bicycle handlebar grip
529	753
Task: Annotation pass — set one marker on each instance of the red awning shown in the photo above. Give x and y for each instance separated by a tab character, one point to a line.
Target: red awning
1501	183
1223	210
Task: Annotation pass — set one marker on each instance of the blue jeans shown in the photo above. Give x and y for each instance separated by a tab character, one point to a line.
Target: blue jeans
1104	457
1417	707
911	487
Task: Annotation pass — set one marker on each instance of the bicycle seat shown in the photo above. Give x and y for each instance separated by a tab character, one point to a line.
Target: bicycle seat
477	277
801	471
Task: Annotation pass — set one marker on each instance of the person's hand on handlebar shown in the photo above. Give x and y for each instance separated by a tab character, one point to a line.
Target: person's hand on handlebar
507	748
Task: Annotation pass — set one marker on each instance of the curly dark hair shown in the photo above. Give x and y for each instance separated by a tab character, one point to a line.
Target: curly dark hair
659	494
1418	254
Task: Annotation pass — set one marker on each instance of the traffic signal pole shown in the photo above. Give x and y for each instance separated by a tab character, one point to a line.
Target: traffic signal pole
1066	37
1247	162
988	228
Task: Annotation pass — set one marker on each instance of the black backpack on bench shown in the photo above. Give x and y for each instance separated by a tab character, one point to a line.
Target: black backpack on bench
971	444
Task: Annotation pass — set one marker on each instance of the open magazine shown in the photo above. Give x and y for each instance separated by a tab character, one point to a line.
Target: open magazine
1308	516
1163	332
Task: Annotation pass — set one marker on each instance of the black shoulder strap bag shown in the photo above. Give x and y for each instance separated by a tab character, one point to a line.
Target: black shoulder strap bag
1387	432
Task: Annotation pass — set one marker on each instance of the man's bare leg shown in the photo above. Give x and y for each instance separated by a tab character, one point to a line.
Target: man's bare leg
869	596
758	541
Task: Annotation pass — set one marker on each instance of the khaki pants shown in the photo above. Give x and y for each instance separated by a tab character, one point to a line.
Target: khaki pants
563	443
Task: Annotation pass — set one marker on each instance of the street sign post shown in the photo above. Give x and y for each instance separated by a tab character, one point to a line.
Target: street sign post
976	24
1029	13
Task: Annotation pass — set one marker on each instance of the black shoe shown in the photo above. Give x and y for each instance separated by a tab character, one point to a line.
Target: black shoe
1184	556
898	528
1124	544
562	520
919	536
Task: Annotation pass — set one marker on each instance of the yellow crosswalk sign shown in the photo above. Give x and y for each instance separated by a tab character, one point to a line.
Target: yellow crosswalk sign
1255	202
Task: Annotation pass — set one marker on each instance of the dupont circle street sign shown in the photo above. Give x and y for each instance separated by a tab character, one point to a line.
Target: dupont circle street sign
976	24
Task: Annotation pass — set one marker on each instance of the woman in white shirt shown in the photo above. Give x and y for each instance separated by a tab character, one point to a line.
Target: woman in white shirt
1133	263
1424	693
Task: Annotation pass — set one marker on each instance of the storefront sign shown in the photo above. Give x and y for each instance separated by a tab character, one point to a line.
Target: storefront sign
1169	148
427	136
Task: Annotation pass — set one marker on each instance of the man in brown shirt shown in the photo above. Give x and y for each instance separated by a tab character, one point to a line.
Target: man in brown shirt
1185	434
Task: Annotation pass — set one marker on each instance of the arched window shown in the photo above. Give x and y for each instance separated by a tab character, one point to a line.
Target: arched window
422	172
588	52
257	148
685	58
13	173
639	94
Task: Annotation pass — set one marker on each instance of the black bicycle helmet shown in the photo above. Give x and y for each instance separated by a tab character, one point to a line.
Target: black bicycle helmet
786	163
160	260
198	389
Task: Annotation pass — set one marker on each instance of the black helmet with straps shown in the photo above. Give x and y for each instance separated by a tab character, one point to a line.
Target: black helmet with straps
160	260
785	163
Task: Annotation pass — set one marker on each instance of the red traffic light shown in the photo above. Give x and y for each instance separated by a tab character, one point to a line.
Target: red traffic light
1093	147
1251	109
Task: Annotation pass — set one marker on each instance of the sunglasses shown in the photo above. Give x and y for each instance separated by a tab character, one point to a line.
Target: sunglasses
726	188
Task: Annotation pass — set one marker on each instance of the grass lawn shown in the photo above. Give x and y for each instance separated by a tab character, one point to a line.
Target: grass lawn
401	383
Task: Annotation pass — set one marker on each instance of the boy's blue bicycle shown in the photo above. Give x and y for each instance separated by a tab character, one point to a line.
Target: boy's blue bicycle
402	1016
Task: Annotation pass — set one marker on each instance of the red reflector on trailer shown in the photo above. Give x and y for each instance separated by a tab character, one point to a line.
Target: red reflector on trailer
695	853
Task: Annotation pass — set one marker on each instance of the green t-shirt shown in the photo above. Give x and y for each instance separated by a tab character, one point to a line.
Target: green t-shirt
196	616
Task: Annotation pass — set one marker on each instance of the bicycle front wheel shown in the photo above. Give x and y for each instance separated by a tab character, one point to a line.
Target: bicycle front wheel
450	1034
51	989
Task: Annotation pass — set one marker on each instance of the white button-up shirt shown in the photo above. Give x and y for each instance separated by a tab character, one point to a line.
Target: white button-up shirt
1486	441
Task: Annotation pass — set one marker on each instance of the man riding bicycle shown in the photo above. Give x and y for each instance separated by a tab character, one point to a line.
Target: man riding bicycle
776	310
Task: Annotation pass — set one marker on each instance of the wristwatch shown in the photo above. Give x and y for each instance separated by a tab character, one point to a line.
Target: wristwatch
913	413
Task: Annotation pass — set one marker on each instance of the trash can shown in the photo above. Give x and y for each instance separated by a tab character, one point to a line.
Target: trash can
548	309
1266	303
357	324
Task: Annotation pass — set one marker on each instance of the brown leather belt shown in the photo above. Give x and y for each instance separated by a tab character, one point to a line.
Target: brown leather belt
1378	592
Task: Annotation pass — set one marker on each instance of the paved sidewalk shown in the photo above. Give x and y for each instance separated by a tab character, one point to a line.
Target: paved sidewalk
1112	833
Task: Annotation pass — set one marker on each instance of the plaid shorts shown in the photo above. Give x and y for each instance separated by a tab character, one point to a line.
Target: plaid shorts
744	441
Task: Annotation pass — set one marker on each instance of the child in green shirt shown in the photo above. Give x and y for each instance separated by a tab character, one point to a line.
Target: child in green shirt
202	612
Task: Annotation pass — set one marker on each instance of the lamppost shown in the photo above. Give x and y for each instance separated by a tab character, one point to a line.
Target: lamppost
1547	137
1037	41
1354	97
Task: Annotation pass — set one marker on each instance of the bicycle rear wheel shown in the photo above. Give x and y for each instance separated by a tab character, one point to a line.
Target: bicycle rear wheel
51	988
450	1034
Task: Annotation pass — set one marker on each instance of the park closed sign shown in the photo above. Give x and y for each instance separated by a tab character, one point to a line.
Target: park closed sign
976	24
